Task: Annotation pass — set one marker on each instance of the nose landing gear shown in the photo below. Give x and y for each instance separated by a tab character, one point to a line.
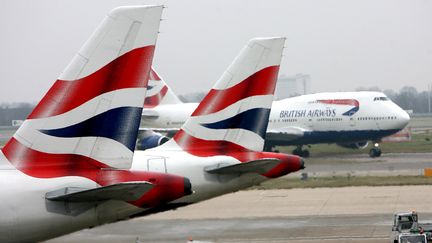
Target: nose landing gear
375	151
300	152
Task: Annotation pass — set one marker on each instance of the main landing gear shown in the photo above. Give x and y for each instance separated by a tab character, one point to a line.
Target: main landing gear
375	151
300	152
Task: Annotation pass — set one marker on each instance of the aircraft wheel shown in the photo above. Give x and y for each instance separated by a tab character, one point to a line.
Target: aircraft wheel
372	153
305	153
378	152
375	152
297	152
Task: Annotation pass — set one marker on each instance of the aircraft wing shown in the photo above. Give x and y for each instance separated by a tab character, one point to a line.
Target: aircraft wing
149	114
125	191
260	166
169	132
160	130
285	133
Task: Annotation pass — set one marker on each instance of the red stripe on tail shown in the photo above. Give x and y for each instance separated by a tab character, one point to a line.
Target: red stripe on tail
260	83
154	76
156	99
206	148
127	71
45	165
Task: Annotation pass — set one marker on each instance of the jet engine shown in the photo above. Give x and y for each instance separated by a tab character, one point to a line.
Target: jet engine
149	139
357	145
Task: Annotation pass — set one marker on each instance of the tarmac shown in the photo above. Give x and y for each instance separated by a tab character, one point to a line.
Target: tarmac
347	214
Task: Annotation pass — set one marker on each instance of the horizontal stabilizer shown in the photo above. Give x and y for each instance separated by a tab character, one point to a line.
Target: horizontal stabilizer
125	191
257	166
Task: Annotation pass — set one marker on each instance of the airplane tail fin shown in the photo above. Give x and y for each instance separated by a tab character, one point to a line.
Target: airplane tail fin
234	114
159	93
90	116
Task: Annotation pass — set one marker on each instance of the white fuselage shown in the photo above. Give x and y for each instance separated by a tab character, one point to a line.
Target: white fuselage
28	217
204	185
318	122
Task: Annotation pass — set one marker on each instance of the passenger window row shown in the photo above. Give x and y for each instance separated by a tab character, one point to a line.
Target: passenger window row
283	120
377	118
329	119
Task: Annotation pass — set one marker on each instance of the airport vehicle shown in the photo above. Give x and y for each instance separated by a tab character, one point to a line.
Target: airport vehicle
219	147
349	119
67	167
406	225
411	238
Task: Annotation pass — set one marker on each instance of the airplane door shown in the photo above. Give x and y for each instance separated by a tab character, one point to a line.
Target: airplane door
310	123
352	122
157	164
378	124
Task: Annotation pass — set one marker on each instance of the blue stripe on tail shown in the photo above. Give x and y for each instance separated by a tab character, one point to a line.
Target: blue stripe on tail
120	124
254	120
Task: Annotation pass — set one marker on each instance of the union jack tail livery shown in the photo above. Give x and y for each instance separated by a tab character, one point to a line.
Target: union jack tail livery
159	93
61	172
90	116
234	114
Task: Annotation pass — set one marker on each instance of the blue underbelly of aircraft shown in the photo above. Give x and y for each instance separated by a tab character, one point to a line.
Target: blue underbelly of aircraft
314	137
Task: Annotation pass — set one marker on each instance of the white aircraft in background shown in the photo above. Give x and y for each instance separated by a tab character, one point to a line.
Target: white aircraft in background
68	166
219	146
349	119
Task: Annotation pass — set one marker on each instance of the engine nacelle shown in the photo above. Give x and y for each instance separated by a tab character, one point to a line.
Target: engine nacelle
357	145
150	140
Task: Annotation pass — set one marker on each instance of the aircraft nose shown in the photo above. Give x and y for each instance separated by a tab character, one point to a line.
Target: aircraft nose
403	118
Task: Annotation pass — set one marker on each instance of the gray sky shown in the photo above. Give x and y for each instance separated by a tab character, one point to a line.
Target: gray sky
342	44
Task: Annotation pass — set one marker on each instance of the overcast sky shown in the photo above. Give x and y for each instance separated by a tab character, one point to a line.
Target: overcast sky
342	44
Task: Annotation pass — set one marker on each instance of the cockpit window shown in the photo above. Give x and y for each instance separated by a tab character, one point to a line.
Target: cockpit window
380	98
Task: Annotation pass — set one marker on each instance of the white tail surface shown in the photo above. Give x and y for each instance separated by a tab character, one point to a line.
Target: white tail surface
235	112
93	111
159	93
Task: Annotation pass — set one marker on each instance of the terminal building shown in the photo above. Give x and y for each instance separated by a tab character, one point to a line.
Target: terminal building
289	86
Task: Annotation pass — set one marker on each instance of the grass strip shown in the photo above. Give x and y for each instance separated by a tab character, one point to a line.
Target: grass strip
339	181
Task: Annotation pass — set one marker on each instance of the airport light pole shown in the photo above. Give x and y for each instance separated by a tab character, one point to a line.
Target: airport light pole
429	96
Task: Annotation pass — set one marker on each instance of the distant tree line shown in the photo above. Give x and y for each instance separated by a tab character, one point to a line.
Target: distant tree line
14	111
408	98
